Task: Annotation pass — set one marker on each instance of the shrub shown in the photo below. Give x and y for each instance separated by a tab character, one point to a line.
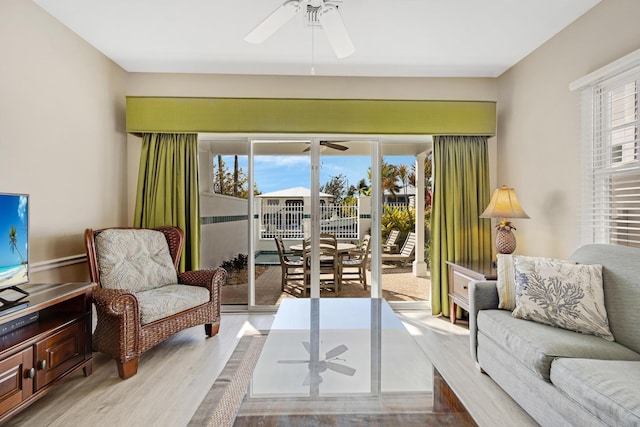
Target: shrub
238	263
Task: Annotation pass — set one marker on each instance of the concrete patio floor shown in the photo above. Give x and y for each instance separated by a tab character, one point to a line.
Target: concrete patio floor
398	284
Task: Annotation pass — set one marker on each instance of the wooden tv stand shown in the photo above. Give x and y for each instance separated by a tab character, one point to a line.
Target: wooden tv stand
37	356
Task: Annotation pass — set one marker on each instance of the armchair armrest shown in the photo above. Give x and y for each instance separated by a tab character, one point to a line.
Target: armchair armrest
118	324
483	295
210	279
206	278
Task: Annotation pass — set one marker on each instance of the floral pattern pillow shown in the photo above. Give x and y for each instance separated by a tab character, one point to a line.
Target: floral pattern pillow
506	283
568	296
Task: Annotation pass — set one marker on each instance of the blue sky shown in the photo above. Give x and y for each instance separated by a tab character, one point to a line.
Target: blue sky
13	212
274	173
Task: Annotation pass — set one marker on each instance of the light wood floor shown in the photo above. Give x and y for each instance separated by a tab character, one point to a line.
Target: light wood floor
174	377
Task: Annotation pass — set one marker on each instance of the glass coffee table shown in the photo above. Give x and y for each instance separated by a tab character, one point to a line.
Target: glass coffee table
341	362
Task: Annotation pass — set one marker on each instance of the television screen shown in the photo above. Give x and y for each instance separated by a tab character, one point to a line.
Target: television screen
14	239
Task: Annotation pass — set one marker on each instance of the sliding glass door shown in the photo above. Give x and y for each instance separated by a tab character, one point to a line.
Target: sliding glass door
302	189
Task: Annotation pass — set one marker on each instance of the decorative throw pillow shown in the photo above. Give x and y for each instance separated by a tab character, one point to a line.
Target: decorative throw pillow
506	282
565	295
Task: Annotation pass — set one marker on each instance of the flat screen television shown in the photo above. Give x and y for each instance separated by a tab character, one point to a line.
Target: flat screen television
14	244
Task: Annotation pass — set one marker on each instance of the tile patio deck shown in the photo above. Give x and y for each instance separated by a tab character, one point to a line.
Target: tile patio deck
398	284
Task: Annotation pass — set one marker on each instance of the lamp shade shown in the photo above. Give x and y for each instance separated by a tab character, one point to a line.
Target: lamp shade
504	204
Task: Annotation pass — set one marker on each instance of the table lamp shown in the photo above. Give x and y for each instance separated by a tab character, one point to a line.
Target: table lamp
504	204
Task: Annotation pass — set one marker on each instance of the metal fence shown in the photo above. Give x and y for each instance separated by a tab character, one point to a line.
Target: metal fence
289	222
340	220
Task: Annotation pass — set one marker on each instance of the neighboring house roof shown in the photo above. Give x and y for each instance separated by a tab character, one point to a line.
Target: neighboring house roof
292	193
411	191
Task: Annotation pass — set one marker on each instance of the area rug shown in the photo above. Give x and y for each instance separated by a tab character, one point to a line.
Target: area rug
221	403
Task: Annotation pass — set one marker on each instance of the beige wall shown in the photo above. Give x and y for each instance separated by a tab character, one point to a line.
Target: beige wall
539	123
62	106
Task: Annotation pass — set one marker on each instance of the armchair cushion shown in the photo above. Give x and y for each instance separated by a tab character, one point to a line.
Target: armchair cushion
168	300
134	259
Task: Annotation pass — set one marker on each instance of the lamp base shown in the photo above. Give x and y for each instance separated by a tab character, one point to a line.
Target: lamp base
505	241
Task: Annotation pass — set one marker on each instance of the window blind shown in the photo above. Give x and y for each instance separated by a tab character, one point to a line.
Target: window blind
610	210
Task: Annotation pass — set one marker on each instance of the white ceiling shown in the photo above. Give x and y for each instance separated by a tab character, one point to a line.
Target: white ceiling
420	38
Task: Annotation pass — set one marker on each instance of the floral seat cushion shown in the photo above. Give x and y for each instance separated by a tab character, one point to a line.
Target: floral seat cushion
133	259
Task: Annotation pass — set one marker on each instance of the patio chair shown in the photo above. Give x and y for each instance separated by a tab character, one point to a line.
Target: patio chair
329	263
357	259
292	271
391	246
406	253
141	298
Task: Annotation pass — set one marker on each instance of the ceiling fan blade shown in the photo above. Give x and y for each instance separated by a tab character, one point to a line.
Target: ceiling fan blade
336	351
288	362
335	146
274	22
330	145
342	369
335	30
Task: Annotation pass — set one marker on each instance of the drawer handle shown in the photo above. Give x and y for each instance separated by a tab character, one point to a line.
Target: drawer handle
31	373
465	286
42	365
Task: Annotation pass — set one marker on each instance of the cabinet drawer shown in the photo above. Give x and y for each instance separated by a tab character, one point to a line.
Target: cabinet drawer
59	353
15	384
461	284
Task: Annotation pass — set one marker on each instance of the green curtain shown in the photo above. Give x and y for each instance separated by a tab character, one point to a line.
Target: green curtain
168	189
460	195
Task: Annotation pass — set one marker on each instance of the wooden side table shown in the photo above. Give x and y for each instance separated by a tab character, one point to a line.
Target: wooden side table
460	274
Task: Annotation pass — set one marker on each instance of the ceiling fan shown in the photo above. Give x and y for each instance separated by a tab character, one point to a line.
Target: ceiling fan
315	369
322	13
329	144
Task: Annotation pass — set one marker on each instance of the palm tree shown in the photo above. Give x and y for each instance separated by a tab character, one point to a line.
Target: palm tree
403	174
363	188
235	176
13	243
389	179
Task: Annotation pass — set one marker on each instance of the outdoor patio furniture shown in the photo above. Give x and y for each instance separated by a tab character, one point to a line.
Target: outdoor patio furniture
406	253
292	266
329	263
141	298
357	259
391	246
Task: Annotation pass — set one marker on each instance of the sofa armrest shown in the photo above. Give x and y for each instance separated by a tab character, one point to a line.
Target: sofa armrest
483	295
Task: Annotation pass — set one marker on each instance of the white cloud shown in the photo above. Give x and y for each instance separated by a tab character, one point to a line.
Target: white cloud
22	208
282	161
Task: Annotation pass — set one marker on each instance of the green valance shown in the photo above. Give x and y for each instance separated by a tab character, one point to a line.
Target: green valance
332	116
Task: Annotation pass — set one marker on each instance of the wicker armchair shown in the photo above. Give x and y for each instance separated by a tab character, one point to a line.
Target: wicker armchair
129	323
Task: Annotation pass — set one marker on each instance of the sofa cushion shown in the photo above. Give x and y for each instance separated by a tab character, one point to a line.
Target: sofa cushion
134	259
168	300
569	296
621	278
606	388
536	345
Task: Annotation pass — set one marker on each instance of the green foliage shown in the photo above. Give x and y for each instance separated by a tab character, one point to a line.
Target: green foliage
403	219
399	218
231	183
337	187
237	263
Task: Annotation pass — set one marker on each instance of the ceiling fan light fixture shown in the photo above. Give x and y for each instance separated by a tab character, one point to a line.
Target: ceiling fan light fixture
273	22
335	30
